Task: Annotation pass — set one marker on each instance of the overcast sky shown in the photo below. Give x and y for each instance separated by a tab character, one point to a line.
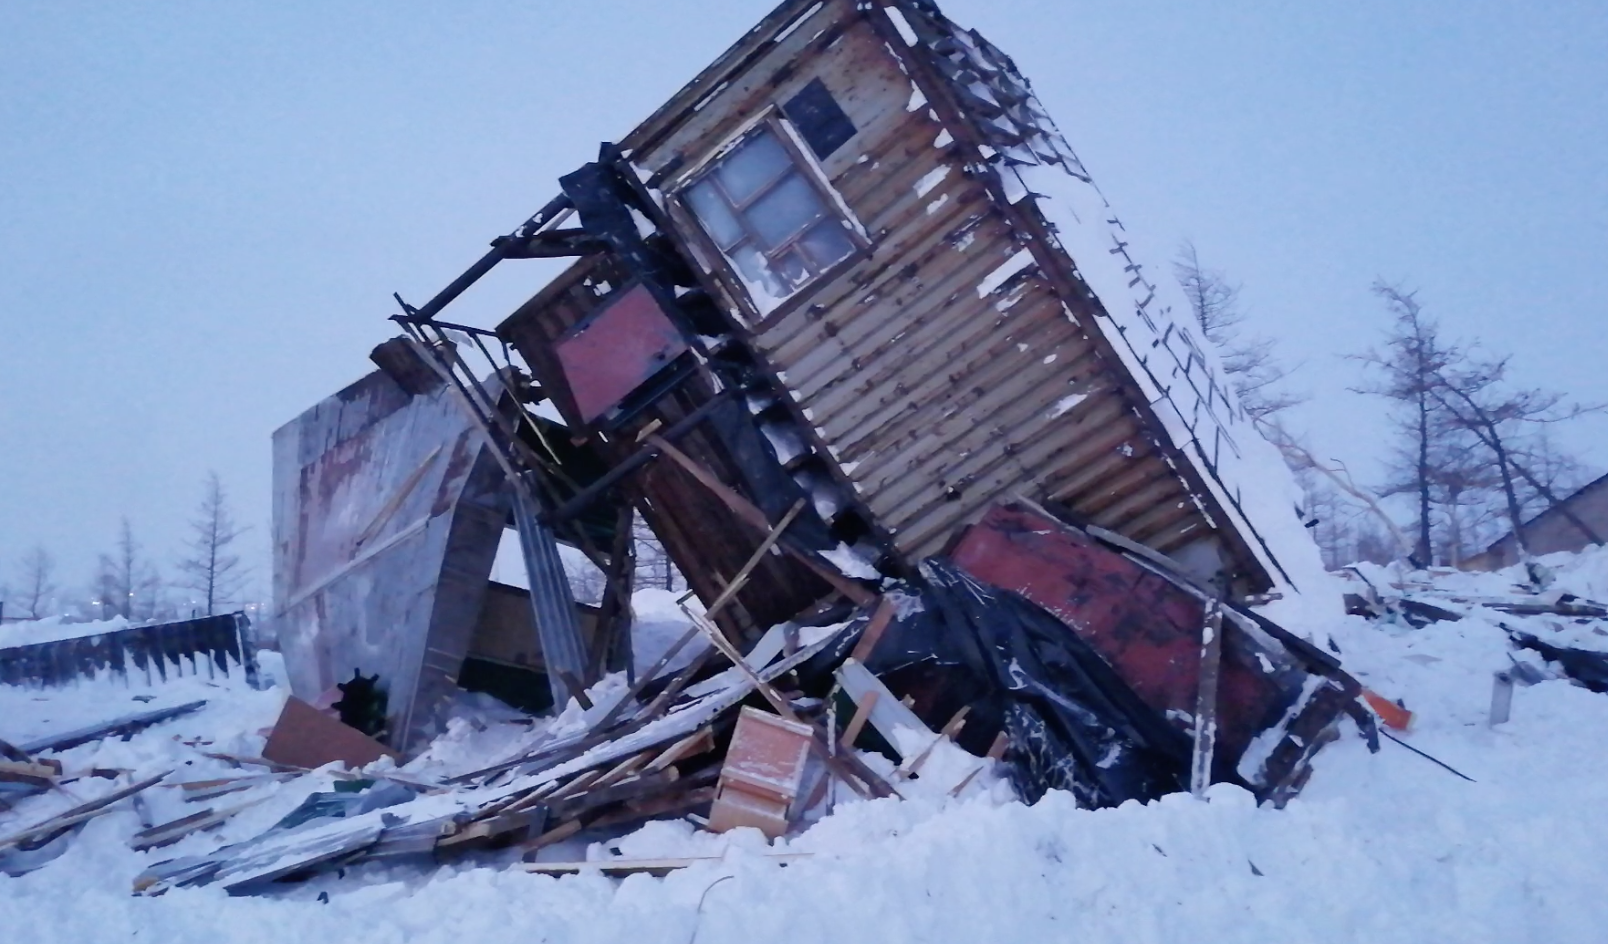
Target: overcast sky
204	207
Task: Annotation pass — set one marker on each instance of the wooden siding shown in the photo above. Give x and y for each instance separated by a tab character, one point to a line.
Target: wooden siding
933	400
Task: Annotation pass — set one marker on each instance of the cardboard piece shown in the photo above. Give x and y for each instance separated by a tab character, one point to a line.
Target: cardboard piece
306	737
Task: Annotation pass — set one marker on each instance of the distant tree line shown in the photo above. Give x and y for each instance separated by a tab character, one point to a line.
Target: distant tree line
207	578
1473	456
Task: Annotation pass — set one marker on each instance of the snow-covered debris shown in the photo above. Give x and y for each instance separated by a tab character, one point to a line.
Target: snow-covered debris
1380	847
54	628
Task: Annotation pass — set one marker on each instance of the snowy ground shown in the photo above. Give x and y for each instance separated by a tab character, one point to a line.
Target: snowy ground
1380	848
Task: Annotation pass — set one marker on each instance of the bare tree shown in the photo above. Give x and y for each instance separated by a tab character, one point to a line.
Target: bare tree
1475	399
1405	371
36	586
1338	478
1253	370
210	567
654	568
125	582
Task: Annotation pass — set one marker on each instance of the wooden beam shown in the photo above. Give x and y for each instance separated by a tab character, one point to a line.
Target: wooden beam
80	813
619	867
888	714
699	742
558	833
949	733
1211	660
738	581
746	511
873	631
862	712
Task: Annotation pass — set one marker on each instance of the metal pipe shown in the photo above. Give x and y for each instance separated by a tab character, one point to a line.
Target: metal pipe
499	251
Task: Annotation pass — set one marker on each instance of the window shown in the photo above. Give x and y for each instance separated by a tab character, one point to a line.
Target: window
769	218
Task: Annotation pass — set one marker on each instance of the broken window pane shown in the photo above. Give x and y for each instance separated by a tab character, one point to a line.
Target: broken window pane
791	267
755	163
756	272
781	213
769	218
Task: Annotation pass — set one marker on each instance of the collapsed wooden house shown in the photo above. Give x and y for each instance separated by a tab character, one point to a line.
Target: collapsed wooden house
845	293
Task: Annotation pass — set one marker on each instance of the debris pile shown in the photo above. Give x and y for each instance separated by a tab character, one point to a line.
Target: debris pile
1554	633
942	665
936	457
852	333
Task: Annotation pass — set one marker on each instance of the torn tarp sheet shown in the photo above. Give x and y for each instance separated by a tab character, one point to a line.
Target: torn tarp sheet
1073	723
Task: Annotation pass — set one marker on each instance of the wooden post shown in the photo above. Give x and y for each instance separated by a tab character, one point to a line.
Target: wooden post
746	510
1211	660
612	645
862	713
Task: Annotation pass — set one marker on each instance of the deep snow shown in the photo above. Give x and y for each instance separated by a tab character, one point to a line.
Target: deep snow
1379	848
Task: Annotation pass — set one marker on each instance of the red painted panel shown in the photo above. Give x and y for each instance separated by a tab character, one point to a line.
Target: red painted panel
1147	628
615	351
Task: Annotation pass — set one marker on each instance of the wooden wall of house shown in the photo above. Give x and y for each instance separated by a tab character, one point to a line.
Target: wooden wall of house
699	532
936	390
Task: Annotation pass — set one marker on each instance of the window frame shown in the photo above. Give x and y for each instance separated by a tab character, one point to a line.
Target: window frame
806	167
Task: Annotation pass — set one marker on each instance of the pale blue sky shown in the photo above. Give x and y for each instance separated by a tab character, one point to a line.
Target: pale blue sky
204	207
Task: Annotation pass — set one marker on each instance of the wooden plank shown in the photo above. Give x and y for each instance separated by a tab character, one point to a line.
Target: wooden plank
745	510
206	790
862	711
557	834
496	826
80	813
630	793
888	714
1211	661
9	751
738	581
620	867
576	784
672	804
29	774
166	834
126	725
950	731
995	752
622	770
873	631
692	745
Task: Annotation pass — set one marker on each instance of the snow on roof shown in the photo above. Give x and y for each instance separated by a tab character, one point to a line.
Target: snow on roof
1147	320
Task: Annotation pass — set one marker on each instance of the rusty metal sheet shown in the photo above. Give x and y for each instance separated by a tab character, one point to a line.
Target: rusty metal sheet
306	737
617	350
1145	626
388	510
